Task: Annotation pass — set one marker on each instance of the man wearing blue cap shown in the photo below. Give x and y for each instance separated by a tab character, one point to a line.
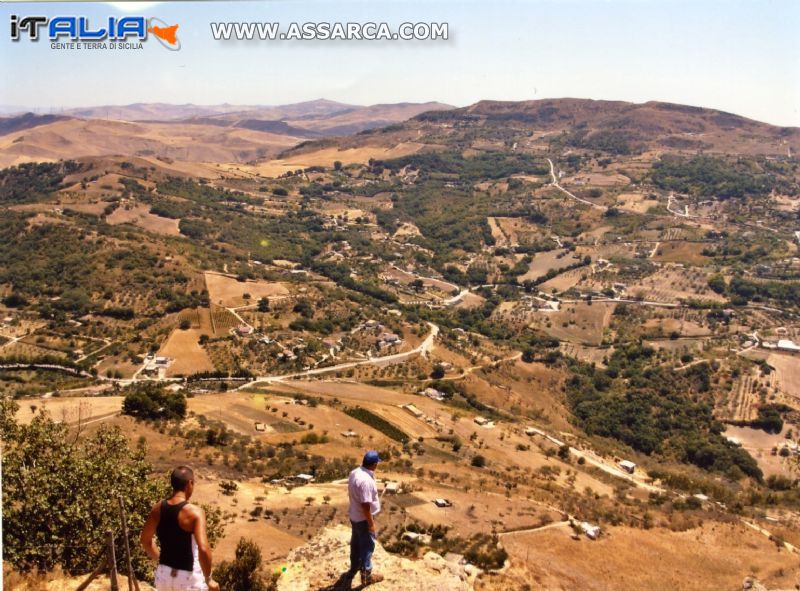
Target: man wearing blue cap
364	505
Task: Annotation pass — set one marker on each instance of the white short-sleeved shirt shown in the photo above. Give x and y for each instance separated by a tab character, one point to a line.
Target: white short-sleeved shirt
361	488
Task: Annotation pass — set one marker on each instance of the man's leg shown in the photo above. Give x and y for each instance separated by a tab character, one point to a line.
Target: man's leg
367	576
366	552
355	547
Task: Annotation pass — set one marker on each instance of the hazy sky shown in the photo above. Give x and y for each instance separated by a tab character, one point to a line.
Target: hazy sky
739	56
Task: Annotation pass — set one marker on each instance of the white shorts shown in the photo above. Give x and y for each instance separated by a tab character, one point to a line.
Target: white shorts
183	580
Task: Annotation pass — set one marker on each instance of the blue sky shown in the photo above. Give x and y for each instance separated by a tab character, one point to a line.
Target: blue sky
739	56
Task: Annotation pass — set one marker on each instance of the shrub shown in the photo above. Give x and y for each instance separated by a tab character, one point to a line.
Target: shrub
245	572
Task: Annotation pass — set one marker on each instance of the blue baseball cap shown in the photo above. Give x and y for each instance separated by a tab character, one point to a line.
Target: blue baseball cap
371	457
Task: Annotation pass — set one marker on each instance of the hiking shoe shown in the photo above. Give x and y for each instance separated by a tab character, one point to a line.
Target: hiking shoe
367	578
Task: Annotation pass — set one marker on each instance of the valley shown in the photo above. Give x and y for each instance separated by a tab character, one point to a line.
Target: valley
551	315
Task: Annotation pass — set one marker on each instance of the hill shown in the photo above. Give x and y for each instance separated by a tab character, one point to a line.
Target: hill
69	137
223	133
610	127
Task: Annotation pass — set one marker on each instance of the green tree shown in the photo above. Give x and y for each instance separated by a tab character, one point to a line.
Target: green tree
245	572
263	305
60	493
150	401
717	283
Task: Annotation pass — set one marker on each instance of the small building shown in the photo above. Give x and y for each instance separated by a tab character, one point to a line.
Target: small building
391	488
787	345
533	431
592	531
244	330
304	478
260	427
413	410
734	441
413	536
349	434
481	421
162	361
442	503
433	394
628	466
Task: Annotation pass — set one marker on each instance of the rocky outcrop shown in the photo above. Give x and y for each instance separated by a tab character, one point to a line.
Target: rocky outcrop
751	584
317	566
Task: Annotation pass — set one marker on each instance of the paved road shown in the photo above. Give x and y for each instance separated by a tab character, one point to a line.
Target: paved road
685	213
422	349
563	190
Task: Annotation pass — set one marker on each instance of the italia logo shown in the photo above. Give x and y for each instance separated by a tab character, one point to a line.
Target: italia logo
78	29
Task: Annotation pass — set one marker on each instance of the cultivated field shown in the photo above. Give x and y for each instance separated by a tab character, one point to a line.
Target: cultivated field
635	202
224	290
184	348
688	253
71	409
717	556
579	322
544	261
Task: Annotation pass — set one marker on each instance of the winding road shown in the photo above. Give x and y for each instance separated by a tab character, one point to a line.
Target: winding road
422	349
555	184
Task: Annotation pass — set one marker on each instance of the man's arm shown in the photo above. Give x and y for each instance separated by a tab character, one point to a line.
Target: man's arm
367	507
146	539
203	547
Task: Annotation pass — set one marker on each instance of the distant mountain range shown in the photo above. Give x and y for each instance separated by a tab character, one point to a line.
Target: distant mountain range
217	133
242	133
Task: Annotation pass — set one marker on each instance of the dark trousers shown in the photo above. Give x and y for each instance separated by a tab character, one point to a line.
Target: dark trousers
362	545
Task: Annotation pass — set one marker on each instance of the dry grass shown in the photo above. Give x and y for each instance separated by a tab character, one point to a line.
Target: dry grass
227	291
70	409
97	137
635	202
713	557
327	156
579	323
184	348
688	253
544	261
140	215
